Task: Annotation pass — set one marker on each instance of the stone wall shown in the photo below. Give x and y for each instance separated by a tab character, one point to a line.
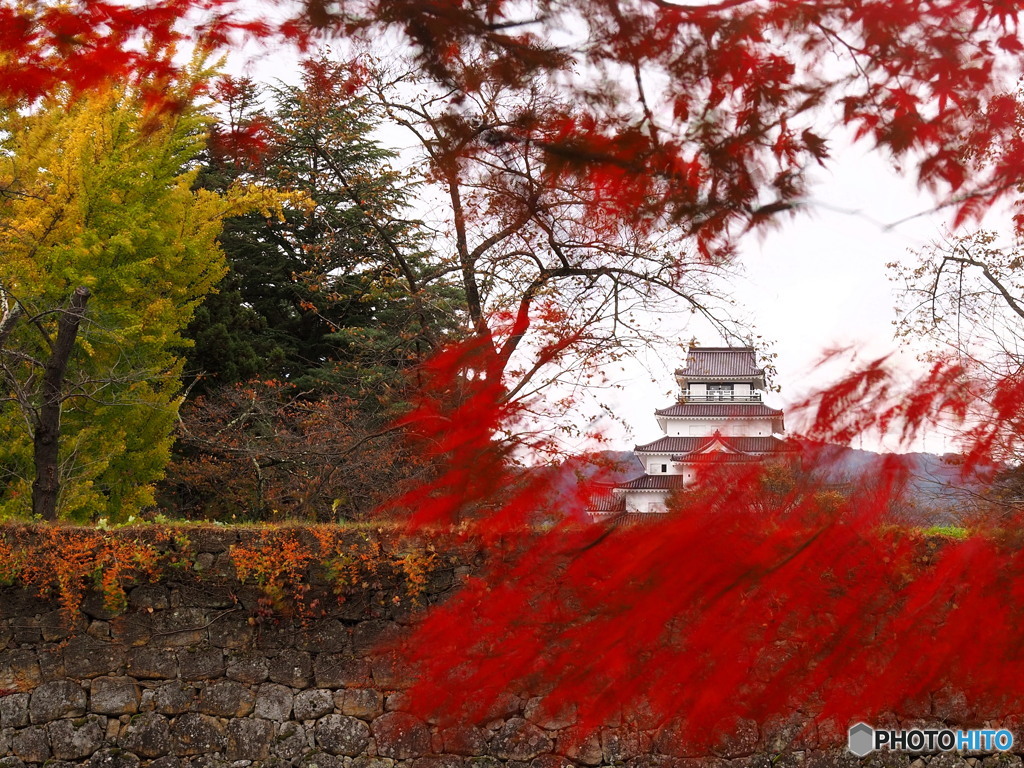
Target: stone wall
196	673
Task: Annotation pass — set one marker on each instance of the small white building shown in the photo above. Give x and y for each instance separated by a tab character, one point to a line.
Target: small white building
719	412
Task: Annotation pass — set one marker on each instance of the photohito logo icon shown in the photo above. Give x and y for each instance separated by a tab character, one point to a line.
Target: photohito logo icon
861	739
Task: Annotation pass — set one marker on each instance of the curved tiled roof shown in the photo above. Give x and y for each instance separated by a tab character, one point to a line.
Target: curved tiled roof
654	483
722	410
680	445
721	362
608	503
717	457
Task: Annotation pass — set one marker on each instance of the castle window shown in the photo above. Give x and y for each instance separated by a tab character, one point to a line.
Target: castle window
719	391
664	467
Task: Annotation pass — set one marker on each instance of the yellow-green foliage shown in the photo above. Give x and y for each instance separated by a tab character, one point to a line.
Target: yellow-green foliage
98	192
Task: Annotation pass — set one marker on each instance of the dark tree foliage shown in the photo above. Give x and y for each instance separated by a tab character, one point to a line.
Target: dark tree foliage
303	357
331	296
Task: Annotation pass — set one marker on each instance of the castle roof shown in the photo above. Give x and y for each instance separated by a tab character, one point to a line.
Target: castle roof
720	363
607	503
684	445
718	457
654	483
721	410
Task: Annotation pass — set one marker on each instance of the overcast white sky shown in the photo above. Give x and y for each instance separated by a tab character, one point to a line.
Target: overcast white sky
820	280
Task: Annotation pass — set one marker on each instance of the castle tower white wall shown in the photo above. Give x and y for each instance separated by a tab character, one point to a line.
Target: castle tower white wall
719	410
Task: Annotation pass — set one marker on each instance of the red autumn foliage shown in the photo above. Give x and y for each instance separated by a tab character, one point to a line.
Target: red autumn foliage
245	135
705	114
727	609
456	423
761	596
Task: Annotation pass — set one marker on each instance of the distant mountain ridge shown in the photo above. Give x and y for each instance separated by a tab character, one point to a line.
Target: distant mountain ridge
935	490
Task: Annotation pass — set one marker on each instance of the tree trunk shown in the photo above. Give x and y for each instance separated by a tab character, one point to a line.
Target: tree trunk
10	319
46	440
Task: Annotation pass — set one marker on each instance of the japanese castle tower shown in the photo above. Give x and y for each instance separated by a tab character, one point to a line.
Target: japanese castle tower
719	415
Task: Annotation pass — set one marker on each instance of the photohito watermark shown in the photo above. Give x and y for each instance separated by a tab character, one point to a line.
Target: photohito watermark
864	739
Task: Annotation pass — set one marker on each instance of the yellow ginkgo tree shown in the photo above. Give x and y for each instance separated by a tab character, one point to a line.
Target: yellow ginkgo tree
105	251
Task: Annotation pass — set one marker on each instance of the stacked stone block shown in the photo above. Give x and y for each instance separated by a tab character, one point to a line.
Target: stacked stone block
194	674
